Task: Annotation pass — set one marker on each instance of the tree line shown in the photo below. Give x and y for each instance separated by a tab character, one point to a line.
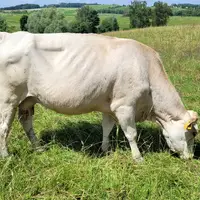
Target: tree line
190	11
36	6
51	20
186	5
115	9
22	7
143	16
177	9
68	5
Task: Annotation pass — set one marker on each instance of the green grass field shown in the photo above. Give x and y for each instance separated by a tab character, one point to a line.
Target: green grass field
124	23
73	168
174	21
12	21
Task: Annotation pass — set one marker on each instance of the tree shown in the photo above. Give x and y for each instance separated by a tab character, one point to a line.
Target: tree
140	14
115	25
23	22
161	13
109	24
88	19
3	24
48	20
22	7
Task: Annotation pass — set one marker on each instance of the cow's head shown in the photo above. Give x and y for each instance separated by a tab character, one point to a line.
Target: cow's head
180	134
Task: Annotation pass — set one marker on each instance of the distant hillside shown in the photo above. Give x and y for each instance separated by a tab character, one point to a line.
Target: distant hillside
101	8
22	7
186	5
35	6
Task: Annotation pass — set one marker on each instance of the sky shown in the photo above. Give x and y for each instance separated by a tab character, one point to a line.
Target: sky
4	3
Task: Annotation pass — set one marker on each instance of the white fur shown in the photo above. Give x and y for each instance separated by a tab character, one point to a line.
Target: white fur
80	73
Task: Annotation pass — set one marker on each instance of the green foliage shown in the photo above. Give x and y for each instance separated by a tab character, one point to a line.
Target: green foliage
23	22
77	27
48	20
115	9
186	5
186	11
143	16
139	14
88	19
3	24
74	27
22	7
57	26
66	5
160	14
13	19
109	24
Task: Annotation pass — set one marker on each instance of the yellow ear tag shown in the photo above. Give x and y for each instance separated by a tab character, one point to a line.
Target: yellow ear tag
188	126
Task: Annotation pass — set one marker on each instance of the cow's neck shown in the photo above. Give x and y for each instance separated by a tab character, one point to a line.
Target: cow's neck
167	104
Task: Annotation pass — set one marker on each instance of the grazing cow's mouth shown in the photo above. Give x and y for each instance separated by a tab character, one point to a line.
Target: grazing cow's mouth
186	156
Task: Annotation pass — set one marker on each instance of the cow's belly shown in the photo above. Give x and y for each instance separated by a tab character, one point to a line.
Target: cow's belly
68	100
66	107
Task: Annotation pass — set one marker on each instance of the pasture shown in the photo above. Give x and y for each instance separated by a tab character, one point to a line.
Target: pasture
73	166
176	20
124	22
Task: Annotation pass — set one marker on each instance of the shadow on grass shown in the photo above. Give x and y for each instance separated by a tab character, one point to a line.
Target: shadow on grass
197	150
87	137
83	136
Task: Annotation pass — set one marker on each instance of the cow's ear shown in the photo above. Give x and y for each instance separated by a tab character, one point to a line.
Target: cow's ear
188	125
194	118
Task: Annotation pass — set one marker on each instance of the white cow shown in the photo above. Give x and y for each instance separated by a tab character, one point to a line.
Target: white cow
79	73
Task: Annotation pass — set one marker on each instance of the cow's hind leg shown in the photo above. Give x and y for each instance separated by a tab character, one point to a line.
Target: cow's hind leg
25	115
7	113
126	118
107	125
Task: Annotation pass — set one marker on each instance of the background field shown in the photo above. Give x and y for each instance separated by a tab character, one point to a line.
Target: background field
124	23
73	167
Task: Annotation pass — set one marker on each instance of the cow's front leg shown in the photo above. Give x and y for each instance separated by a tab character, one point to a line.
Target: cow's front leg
25	115
107	125
126	117
7	113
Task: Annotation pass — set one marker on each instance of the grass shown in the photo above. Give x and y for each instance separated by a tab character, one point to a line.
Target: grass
124	23
174	21
73	166
102	6
12	21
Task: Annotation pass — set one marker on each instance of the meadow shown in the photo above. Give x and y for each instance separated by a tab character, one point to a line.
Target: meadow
73	166
124	22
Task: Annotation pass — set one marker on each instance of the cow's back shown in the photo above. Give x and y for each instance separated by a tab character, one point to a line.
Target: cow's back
80	73
77	73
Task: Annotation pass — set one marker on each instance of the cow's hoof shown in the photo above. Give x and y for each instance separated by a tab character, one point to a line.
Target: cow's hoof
4	154
139	160
105	148
40	149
